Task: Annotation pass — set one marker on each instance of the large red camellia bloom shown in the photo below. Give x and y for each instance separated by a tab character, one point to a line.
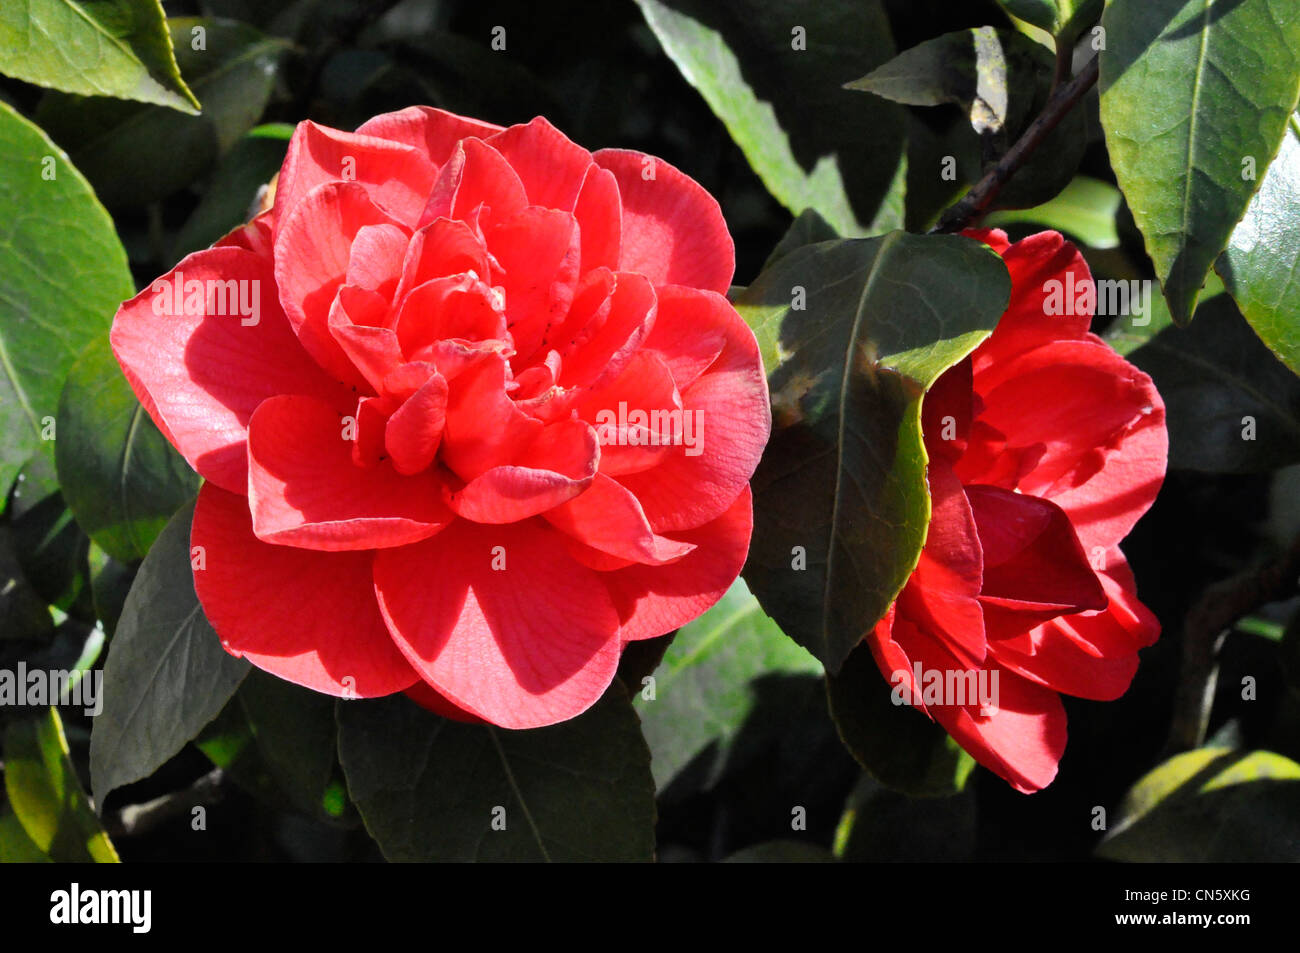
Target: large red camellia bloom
1045	447
471	408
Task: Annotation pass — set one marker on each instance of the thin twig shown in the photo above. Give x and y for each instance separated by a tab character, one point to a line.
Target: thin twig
1207	622
141	818
973	205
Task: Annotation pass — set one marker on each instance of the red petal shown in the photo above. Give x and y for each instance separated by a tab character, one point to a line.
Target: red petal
484	428
397	178
476	174
655	600
445	308
305	490
551	166
599	212
309	617
946	413
355	323
1090	654
1034	567
687	339
608	518
673	231
426	696
538	250
732	419
201	376
942	594
598	352
530	644
439	249
1100	423
553	468
312	250
644	388
415	429
434	132
1022	741
1043	266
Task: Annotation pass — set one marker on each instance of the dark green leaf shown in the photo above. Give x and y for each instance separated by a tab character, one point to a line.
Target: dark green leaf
233	192
883	825
15	846
843	157
50	546
1232	406
295	732
842	488
167	675
1064	18
110	582
46	796
430	789
1085	210
1262	259
1211	804
120	476
900	746
703	690
62	275
94	47
23	613
1193	97
117	145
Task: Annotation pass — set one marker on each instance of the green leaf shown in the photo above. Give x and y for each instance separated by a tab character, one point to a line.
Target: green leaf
842	157
430	789
23	613
1001	80
94	47
231	195
703	690
1232	406
1064	18
46	796
883	825
62	275
294	730
1192	94
50	546
167	675
842	487
897	744
120	476
110	582
117	144
15	846
1263	257
1211	804
1085	210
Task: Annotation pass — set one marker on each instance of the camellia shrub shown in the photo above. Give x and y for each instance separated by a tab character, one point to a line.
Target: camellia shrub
682	430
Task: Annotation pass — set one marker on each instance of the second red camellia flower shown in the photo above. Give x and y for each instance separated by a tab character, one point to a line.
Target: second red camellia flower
471	408
1045	448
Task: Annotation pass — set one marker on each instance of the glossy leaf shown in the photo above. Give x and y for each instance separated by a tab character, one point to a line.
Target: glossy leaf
167	675
1085	211
1211	804
703	689
1232	406
841	489
899	745
63	272
1064	18
117	145
117	48
1262	259
1193	97
120	476
46	796
430	789
745	58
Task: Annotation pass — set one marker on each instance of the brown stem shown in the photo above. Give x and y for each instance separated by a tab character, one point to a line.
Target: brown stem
1207	622
141	818
973	205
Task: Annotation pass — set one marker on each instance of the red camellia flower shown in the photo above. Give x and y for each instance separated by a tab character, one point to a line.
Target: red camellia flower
471	409
1045	447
